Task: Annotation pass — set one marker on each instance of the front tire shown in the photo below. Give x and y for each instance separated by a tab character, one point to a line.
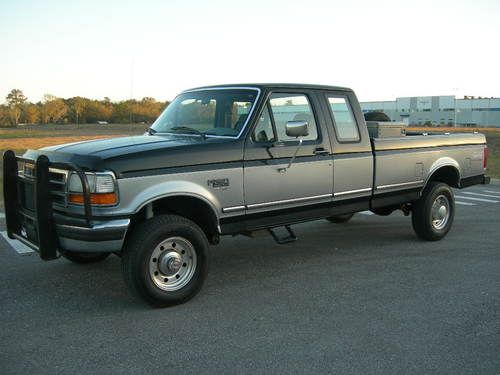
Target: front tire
83	257
339	219
433	214
165	262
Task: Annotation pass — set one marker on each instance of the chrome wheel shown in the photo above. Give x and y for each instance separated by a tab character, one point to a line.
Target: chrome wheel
172	263
440	212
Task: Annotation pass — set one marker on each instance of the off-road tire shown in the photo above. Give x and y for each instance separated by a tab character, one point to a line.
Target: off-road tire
138	252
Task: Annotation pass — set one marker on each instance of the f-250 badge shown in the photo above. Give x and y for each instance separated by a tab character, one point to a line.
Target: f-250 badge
221	183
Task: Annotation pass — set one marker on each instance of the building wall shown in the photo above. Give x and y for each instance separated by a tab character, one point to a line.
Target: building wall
440	110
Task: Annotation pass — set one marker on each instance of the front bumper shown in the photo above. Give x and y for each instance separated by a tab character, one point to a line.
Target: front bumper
31	218
102	236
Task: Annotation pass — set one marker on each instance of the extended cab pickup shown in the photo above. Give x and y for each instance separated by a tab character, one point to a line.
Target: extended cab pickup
229	160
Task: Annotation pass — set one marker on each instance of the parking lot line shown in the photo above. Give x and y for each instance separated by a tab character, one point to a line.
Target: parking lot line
492	191
16	245
480	194
465	203
477	199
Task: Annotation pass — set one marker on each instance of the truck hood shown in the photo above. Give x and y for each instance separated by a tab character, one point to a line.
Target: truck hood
128	156
110	147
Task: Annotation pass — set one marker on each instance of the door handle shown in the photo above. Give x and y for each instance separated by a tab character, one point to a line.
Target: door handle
321	151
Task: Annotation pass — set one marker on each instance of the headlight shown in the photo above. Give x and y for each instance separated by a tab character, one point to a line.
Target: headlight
102	188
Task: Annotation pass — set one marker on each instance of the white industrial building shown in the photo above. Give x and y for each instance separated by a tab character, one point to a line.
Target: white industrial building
440	111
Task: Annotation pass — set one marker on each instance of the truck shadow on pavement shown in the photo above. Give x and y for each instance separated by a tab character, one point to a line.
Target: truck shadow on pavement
239	266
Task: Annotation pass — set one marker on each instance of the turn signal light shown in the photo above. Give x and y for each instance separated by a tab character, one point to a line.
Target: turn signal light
95	198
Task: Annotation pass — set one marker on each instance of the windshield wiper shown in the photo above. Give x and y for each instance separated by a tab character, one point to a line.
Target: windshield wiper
187	129
151	131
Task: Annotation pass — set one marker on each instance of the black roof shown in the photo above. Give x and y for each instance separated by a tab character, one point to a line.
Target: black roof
277	85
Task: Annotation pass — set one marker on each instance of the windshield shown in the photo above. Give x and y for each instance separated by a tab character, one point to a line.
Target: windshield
221	112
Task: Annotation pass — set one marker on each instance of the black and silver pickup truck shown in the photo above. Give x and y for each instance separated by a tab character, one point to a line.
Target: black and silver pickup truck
227	160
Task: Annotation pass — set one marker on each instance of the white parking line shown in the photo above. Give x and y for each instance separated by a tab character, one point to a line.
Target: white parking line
465	203
17	245
481	195
492	191
477	199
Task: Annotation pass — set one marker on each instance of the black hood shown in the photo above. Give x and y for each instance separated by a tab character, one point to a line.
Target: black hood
130	155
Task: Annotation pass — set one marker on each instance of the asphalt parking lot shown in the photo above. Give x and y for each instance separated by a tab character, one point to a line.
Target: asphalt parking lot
355	298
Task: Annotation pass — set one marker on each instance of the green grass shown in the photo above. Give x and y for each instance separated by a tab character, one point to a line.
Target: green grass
493	140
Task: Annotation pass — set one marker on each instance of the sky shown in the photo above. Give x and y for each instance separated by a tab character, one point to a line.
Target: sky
123	49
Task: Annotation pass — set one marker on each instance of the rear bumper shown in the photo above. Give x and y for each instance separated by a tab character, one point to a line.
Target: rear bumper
474	180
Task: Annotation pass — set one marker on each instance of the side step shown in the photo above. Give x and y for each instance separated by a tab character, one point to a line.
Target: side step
285	239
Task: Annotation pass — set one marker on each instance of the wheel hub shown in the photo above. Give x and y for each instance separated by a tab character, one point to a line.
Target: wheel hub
440	212
170	263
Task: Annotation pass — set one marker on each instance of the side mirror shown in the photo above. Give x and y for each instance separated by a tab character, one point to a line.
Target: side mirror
297	129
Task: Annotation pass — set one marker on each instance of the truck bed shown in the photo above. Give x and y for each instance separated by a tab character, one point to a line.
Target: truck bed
407	161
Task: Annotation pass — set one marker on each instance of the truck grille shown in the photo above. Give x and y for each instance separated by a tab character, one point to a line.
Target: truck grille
58	180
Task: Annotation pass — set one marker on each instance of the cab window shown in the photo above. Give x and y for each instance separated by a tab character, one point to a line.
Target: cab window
264	130
281	108
345	124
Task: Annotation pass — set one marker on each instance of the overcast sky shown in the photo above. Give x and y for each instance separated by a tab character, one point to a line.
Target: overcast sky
381	49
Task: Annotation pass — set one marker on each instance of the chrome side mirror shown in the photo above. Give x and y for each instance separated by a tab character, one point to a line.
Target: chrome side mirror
297	129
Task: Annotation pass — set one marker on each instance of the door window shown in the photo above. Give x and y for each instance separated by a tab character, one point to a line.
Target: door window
280	109
292	107
264	130
345	124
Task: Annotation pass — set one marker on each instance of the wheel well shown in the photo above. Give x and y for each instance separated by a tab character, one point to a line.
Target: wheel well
191	208
448	174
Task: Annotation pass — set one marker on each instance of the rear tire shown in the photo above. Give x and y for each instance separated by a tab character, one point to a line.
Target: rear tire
339	219
433	214
165	261
83	257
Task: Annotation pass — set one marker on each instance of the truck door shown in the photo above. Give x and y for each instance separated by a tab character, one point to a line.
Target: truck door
352	150
268	184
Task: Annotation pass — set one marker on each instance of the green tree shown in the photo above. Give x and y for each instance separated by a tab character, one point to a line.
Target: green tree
4	115
53	109
31	113
79	105
15	100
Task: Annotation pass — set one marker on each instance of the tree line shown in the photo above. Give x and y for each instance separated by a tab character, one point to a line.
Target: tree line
76	110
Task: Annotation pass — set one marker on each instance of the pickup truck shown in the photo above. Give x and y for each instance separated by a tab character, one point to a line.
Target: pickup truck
228	160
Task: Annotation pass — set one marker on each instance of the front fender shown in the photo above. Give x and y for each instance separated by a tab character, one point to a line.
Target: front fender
132	200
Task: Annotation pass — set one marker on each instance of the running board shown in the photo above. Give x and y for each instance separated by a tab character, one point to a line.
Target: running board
285	239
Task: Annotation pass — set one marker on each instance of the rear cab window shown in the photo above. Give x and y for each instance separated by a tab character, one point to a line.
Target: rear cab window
345	125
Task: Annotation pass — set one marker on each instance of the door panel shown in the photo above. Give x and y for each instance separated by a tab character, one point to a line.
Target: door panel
268	183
